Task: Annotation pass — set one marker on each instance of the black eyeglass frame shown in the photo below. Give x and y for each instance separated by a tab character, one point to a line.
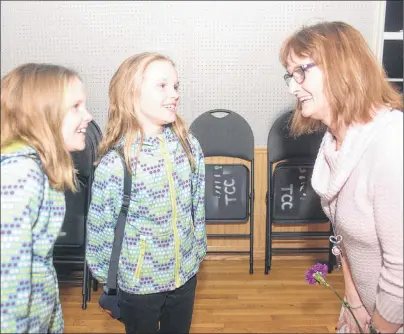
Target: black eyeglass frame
301	71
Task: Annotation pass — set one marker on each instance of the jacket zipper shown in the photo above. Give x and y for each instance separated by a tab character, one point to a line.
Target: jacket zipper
174	211
140	259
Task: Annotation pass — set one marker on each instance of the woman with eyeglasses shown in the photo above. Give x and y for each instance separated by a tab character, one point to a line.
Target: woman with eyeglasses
358	174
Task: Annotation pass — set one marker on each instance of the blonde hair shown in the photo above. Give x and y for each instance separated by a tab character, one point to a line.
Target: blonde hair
355	84
124	95
33	107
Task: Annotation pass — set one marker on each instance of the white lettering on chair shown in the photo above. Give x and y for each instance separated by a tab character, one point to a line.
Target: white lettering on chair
228	186
232	192
286	202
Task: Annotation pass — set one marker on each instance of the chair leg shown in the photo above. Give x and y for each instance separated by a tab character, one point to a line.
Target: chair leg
252	242
269	264
89	279
270	253
266	269
86	274
266	238
84	303
95	285
251	263
251	202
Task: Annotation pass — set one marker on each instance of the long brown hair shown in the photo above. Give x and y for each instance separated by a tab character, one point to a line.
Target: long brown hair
33	107
124	94
355	83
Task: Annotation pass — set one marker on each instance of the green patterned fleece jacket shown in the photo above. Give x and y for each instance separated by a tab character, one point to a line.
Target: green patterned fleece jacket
165	235
32	214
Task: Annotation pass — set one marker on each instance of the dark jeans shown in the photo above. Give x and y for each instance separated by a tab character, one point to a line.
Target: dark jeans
172	309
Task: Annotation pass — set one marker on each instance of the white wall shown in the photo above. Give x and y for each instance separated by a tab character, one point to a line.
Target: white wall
226	51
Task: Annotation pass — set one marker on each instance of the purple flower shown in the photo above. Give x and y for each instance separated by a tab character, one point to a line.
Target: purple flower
319	268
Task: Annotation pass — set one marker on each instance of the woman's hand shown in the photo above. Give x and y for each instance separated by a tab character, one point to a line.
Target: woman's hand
347	322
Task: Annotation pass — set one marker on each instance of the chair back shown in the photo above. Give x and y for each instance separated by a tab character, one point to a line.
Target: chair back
77	204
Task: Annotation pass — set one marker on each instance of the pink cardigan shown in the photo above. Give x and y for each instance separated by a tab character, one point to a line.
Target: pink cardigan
361	190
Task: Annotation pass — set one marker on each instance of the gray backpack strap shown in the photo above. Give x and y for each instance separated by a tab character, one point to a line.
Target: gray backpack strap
119	230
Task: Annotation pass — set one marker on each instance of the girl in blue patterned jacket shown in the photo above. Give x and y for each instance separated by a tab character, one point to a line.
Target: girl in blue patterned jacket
165	237
43	117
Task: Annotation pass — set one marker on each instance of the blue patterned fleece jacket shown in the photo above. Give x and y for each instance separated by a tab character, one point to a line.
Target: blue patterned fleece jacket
165	235
32	215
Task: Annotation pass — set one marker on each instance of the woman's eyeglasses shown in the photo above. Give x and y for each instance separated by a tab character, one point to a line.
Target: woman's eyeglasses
298	73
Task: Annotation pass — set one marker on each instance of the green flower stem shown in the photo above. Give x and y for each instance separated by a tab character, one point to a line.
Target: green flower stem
347	306
319	278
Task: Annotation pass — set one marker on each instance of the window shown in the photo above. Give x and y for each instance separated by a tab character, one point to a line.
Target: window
393	42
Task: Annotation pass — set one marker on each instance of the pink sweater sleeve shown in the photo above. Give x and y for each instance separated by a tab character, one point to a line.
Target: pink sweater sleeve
388	215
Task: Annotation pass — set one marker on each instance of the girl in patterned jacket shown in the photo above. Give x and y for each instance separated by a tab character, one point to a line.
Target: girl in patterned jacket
165	236
43	117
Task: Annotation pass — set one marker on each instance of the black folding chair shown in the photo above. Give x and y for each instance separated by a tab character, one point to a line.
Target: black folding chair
69	250
290	198
229	191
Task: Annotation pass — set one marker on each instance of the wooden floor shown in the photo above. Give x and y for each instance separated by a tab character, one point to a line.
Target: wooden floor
230	300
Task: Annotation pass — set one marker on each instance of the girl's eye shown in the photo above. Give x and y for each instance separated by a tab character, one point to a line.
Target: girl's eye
162	85
177	88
